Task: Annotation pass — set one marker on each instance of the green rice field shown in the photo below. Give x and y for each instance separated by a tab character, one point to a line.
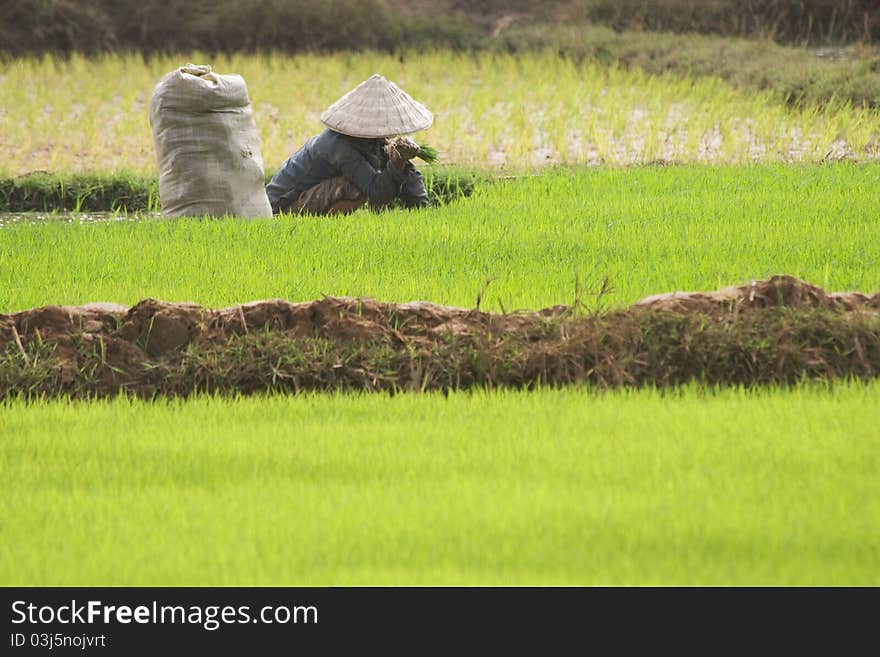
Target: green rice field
503	488
537	239
565	486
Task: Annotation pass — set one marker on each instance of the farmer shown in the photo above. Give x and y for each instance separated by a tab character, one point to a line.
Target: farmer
355	161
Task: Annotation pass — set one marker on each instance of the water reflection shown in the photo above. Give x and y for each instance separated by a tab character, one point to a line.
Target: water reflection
12	218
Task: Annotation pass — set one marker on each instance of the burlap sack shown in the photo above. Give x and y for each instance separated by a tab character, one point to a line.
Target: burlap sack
207	145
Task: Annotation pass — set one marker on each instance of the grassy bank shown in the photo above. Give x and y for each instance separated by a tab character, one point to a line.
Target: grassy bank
548	487
124	192
797	75
498	111
777	332
537	241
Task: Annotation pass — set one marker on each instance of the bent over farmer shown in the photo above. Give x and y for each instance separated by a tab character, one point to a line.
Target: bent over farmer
356	161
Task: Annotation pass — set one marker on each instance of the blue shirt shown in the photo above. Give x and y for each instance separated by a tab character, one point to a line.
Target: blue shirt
362	161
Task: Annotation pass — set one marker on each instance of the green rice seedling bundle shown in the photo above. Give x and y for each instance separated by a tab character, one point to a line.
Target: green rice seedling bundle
427	153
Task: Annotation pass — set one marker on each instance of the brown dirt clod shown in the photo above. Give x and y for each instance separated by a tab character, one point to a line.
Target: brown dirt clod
778	291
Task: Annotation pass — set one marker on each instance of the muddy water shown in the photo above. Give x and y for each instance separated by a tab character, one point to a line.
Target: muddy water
13	218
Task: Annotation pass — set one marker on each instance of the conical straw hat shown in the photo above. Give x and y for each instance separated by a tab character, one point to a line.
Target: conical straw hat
377	108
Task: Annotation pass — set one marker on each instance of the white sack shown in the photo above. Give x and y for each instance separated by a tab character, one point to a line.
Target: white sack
207	145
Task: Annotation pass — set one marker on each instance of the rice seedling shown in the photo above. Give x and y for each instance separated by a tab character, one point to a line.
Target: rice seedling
492	110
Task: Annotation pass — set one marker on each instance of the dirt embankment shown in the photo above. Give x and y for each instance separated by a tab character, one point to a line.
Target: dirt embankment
777	331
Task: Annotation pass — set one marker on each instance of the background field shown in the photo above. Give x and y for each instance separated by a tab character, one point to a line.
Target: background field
64	26
496	111
549	487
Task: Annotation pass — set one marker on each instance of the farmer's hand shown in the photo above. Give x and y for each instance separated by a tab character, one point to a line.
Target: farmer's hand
401	150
